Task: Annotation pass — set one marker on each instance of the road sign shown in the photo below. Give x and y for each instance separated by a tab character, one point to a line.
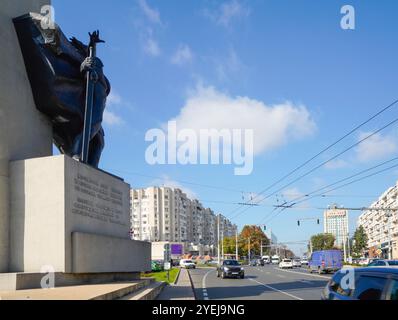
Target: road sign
166	255
167	266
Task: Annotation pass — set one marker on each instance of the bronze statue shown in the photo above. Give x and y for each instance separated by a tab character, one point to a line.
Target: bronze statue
68	86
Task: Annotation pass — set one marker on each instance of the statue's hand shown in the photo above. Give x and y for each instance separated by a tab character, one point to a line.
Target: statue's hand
90	64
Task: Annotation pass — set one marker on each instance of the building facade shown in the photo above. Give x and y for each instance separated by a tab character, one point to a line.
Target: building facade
381	225
336	223
161	214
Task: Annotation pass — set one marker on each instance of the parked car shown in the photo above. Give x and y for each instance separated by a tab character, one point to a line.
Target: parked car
304	262
296	263
253	263
266	259
325	261
371	283
286	264
260	262
187	264
383	263
230	268
175	262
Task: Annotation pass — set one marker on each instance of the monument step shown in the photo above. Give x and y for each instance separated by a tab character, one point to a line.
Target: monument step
150	292
110	291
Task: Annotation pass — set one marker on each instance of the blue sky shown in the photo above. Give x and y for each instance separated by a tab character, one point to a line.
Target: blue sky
165	57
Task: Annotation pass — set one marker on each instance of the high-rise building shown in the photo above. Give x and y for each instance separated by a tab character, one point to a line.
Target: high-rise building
381	224
336	223
166	214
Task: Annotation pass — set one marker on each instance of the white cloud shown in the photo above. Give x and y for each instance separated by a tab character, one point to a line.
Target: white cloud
182	56
336	164
114	99
151	47
111	119
291	194
227	12
230	10
166	181
152	14
273	126
376	147
294	195
229	66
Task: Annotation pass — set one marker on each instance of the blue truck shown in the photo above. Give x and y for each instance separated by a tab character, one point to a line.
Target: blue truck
325	261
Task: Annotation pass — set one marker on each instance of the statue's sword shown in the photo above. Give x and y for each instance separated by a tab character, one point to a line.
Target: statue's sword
92	79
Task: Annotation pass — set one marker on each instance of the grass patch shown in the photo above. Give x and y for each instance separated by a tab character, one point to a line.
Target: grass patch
161	276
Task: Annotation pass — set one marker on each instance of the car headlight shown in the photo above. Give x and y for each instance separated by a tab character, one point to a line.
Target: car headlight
226	269
242	269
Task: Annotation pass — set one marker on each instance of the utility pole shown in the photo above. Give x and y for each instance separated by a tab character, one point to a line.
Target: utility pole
236	245
249	256
344	247
218	239
261	249
222	241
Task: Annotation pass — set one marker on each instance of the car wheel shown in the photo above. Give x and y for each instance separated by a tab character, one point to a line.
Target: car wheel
242	277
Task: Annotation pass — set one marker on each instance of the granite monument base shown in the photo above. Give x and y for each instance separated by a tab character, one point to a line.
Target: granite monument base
71	218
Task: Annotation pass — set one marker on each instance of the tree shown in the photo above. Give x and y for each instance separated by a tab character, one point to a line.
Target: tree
229	245
322	241
360	242
256	236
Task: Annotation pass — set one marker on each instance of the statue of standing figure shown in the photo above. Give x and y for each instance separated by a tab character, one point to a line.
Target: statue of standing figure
68	86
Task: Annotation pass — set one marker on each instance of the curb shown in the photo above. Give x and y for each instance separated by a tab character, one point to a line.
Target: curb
178	276
192	287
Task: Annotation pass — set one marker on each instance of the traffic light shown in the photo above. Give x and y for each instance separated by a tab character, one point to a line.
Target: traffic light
298	223
265	228
319	221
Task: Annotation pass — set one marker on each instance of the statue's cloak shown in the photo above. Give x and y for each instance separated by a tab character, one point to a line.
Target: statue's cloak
53	66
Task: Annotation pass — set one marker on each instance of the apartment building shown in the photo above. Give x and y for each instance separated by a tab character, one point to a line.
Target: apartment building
167	214
336	223
381	224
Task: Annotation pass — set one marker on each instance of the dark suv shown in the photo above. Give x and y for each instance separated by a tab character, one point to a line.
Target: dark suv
371	283
230	268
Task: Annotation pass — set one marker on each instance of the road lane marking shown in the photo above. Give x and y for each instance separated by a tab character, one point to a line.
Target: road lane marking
306	274
204	288
277	290
280	276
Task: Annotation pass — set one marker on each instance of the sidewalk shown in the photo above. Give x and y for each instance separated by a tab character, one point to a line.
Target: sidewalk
182	290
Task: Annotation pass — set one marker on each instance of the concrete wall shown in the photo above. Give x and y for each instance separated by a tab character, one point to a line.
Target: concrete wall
99	254
24	132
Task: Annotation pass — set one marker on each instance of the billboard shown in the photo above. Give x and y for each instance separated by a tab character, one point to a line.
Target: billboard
177	249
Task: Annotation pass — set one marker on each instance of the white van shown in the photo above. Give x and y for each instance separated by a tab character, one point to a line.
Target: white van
266	259
275	260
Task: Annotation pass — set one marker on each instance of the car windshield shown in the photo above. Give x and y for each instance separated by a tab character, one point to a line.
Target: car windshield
393	262
287	260
231	263
188	261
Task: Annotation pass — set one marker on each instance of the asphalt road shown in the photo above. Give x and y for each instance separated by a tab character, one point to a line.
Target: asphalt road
261	283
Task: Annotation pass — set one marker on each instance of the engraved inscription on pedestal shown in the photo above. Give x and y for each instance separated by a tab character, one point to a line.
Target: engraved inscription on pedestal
98	201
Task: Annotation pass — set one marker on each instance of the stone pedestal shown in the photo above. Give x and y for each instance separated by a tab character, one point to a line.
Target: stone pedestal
71	217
